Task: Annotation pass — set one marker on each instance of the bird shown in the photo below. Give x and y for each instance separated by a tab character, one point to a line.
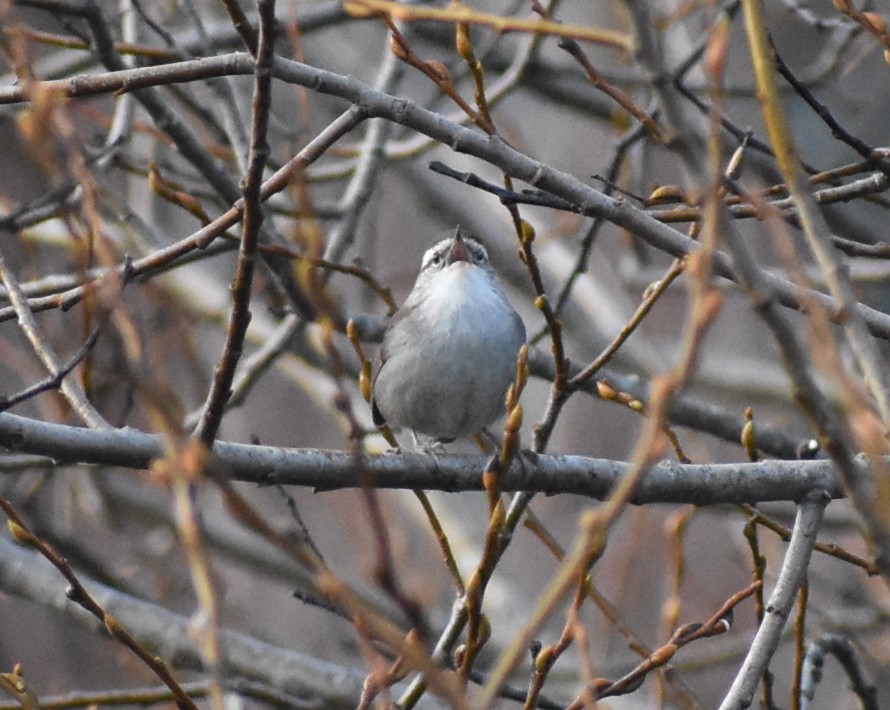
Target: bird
449	352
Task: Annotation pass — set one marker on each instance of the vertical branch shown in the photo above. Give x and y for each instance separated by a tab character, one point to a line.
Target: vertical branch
758	562
122	121
239	318
800	632
204	624
811	220
164	116
824	414
791	576
371	159
242	25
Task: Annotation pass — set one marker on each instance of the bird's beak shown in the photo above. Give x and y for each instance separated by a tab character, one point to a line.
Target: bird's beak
457	252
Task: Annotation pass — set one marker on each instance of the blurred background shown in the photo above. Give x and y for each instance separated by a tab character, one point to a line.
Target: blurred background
89	181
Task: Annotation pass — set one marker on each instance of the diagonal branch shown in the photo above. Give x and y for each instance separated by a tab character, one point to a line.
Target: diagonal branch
590	202
791	576
25	574
73	392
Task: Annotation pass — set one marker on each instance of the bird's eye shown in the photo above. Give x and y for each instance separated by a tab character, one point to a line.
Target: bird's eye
479	256
435	259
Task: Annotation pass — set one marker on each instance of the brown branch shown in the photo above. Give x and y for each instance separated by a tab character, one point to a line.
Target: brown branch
239	318
458	13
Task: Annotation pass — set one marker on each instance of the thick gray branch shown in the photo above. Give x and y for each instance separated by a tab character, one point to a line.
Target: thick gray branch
705	484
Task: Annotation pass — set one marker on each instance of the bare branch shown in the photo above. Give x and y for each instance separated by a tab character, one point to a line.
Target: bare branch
705	484
792	575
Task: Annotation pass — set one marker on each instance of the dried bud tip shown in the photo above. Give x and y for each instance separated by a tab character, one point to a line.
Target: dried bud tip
397	48
438	70
514	421
605	390
462	41
876	21
666	193
527	234
18	532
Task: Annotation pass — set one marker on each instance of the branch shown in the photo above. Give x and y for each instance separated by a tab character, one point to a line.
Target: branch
812	221
791	576
668	482
73	392
460	13
591	202
239	317
182	250
54	381
27	575
77	593
843	650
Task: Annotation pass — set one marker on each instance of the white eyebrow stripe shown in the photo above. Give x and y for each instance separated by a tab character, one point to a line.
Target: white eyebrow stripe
441	248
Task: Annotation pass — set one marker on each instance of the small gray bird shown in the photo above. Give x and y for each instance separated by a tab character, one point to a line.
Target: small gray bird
449	353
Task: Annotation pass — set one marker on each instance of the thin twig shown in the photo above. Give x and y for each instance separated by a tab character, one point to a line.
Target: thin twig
53	381
72	391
